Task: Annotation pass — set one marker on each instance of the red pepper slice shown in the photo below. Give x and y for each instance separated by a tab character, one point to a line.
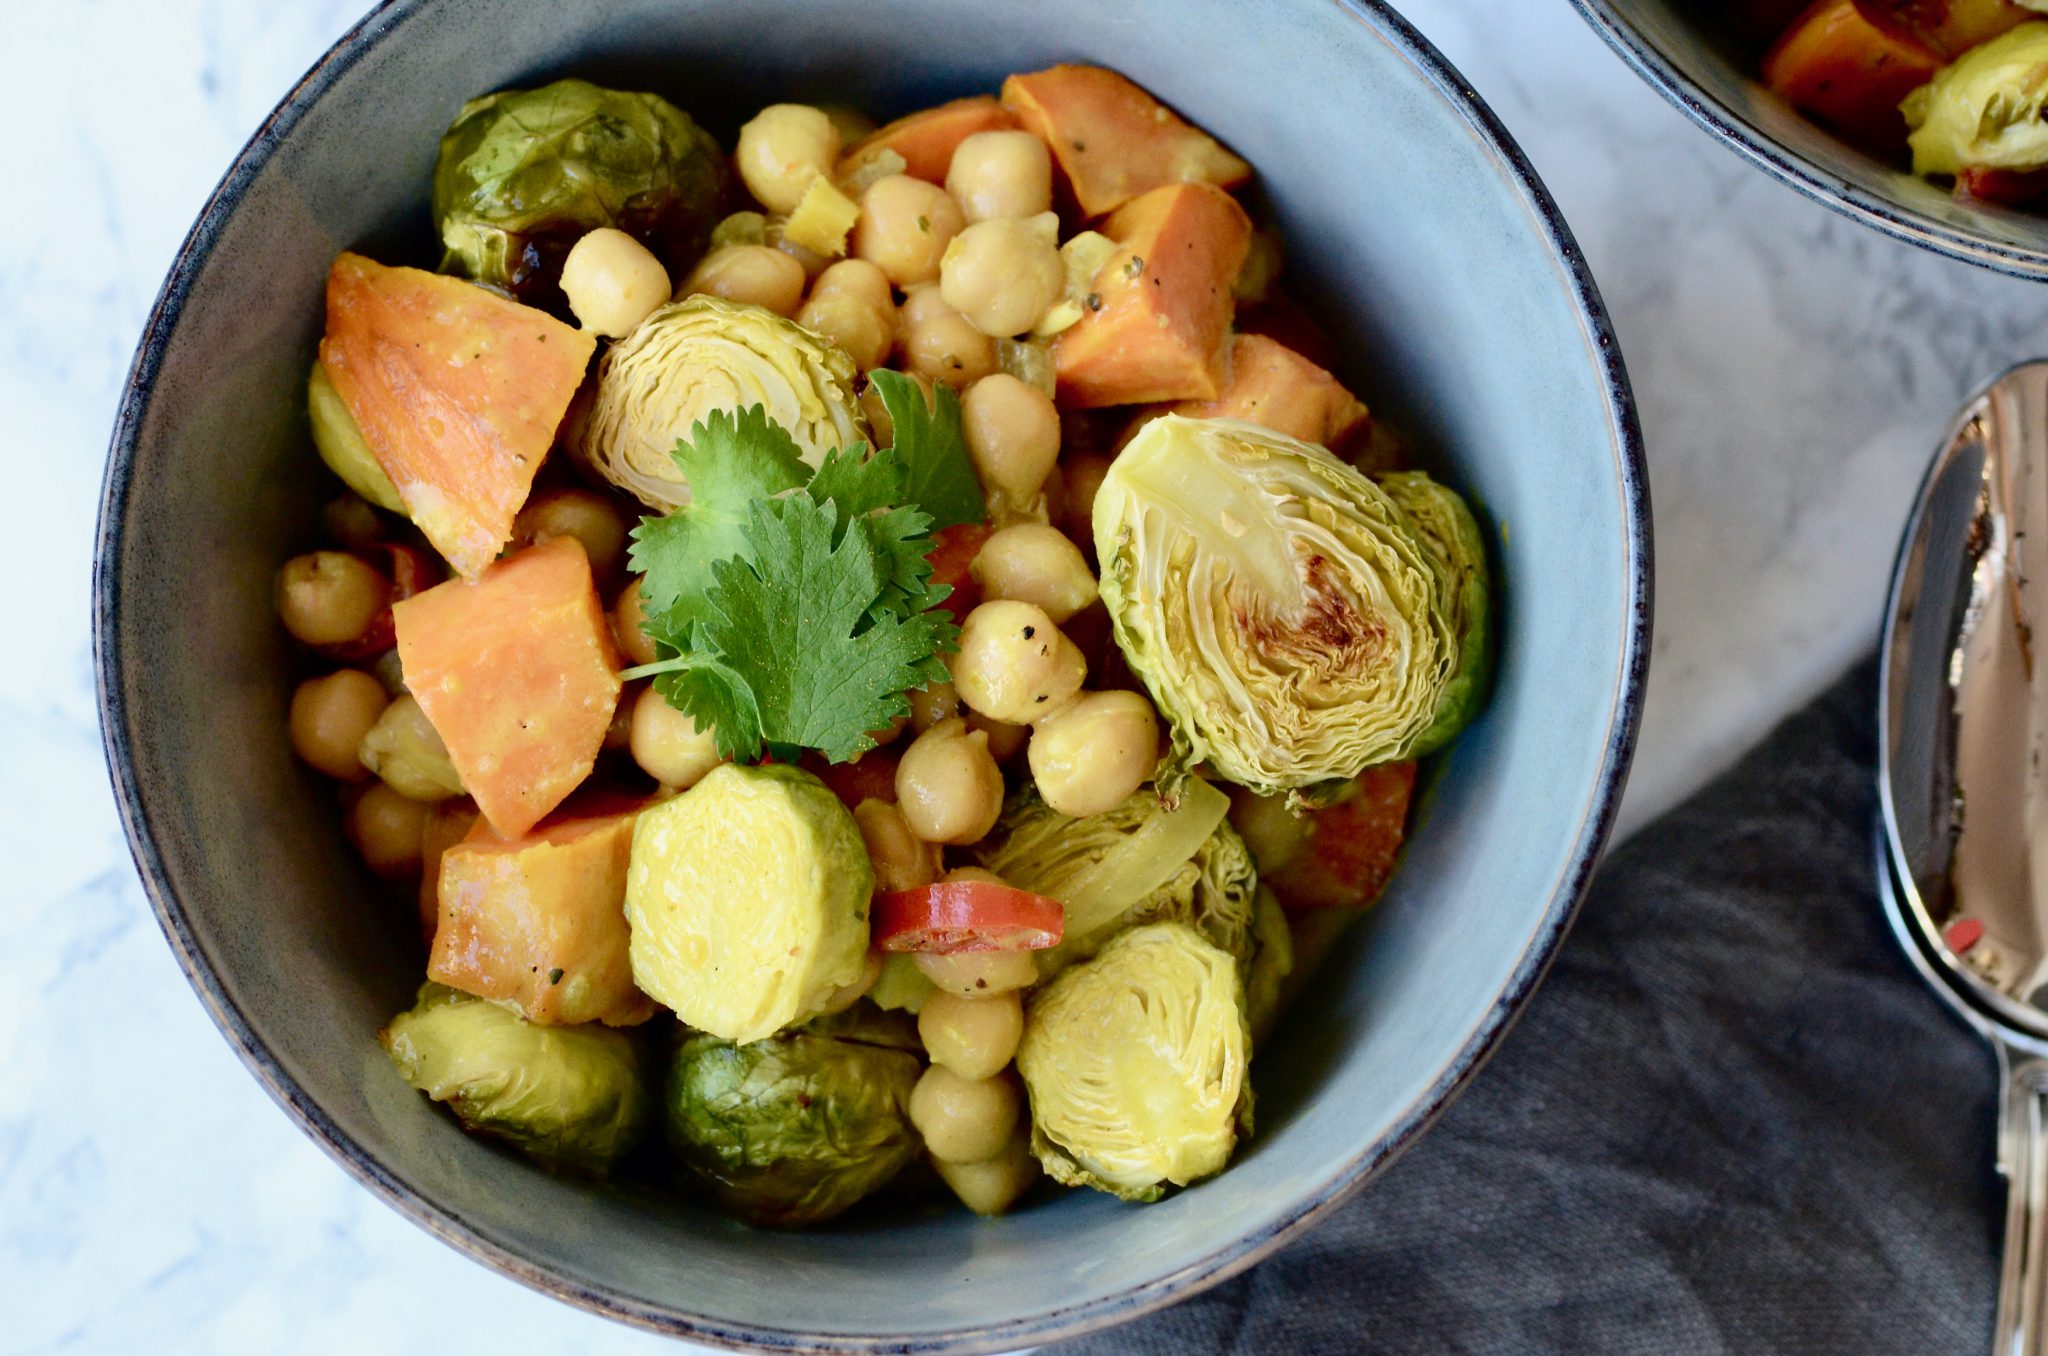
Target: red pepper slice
967	915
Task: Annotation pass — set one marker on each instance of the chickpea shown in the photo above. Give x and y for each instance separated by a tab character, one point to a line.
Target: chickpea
974	1037
904	228
667	744
866	332
994	1185
757	274
948	785
781	150
901	859
628	625
352	522
329	597
1092	755
1005	741
855	278
1034	563
931	704
585	515
1002	275
940	344
618	736
1274	833
978	974
1001	175
963	1120
1080	478
1013	434
612	281
1014	664
329	718
385	828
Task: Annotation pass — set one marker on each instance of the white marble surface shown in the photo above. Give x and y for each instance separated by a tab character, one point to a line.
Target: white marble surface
1793	372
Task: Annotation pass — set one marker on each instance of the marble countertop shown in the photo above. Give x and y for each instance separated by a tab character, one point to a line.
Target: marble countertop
1793	371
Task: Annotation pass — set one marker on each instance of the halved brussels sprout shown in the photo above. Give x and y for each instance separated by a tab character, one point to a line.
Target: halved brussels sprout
705	353
793	1130
523	174
1136	1062
1137	863
1272	963
1446	526
748	900
1984	110
571	1096
341	444
1280	607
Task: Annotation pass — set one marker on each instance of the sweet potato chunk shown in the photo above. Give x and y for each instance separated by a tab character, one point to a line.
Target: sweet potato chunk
1114	141
1162	326
1845	71
456	390
1267	383
1948	28
1352	845
540	922
517	673
927	139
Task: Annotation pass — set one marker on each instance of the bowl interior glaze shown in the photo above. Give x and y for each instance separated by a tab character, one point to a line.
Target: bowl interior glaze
1415	230
1688	52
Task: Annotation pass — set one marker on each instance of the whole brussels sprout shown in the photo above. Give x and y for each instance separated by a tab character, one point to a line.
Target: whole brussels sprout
1280	606
793	1130
523	174
571	1096
1985	110
1447	528
1136	863
1136	1064
701	354
748	900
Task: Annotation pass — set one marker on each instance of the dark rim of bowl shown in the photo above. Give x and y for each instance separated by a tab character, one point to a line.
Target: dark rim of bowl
1782	163
1226	1259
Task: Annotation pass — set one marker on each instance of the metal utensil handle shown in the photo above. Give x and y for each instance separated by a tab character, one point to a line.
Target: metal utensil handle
2023	1158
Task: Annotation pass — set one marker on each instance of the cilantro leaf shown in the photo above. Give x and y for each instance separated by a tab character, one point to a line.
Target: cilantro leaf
795	622
939	475
859	483
730	462
701	685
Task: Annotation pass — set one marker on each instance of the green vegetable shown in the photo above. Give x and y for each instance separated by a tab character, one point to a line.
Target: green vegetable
901	987
571	1096
793	1130
1272	962
747	898
1136	1064
1988	109
1136	863
865	1023
940	474
405	750
523	174
701	354
1444	524
1280	607
342	446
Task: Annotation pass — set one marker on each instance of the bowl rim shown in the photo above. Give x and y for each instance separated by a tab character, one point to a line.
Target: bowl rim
1789	167
1229	1256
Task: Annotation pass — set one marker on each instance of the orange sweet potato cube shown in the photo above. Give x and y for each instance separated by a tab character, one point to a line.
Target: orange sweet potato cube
1161	329
517	673
1270	384
927	138
1834	64
1112	140
457	390
540	921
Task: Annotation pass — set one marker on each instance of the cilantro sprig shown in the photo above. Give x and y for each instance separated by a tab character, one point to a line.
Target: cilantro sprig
794	609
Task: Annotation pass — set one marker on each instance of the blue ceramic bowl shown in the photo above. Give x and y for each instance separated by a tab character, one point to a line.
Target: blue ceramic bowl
1690	55
1421	235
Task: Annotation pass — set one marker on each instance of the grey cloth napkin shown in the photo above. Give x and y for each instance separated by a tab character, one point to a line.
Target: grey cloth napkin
1731	1121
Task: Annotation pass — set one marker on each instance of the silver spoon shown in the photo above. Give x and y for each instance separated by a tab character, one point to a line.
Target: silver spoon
1963	784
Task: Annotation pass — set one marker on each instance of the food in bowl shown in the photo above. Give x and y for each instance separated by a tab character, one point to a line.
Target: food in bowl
1955	87
888	647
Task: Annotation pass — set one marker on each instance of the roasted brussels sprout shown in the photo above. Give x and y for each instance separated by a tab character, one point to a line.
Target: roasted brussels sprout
1279	606
524	173
793	1130
1137	863
571	1096
1985	110
1136	1061
748	900
409	754
342	446
701	354
1445	525
1272	963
